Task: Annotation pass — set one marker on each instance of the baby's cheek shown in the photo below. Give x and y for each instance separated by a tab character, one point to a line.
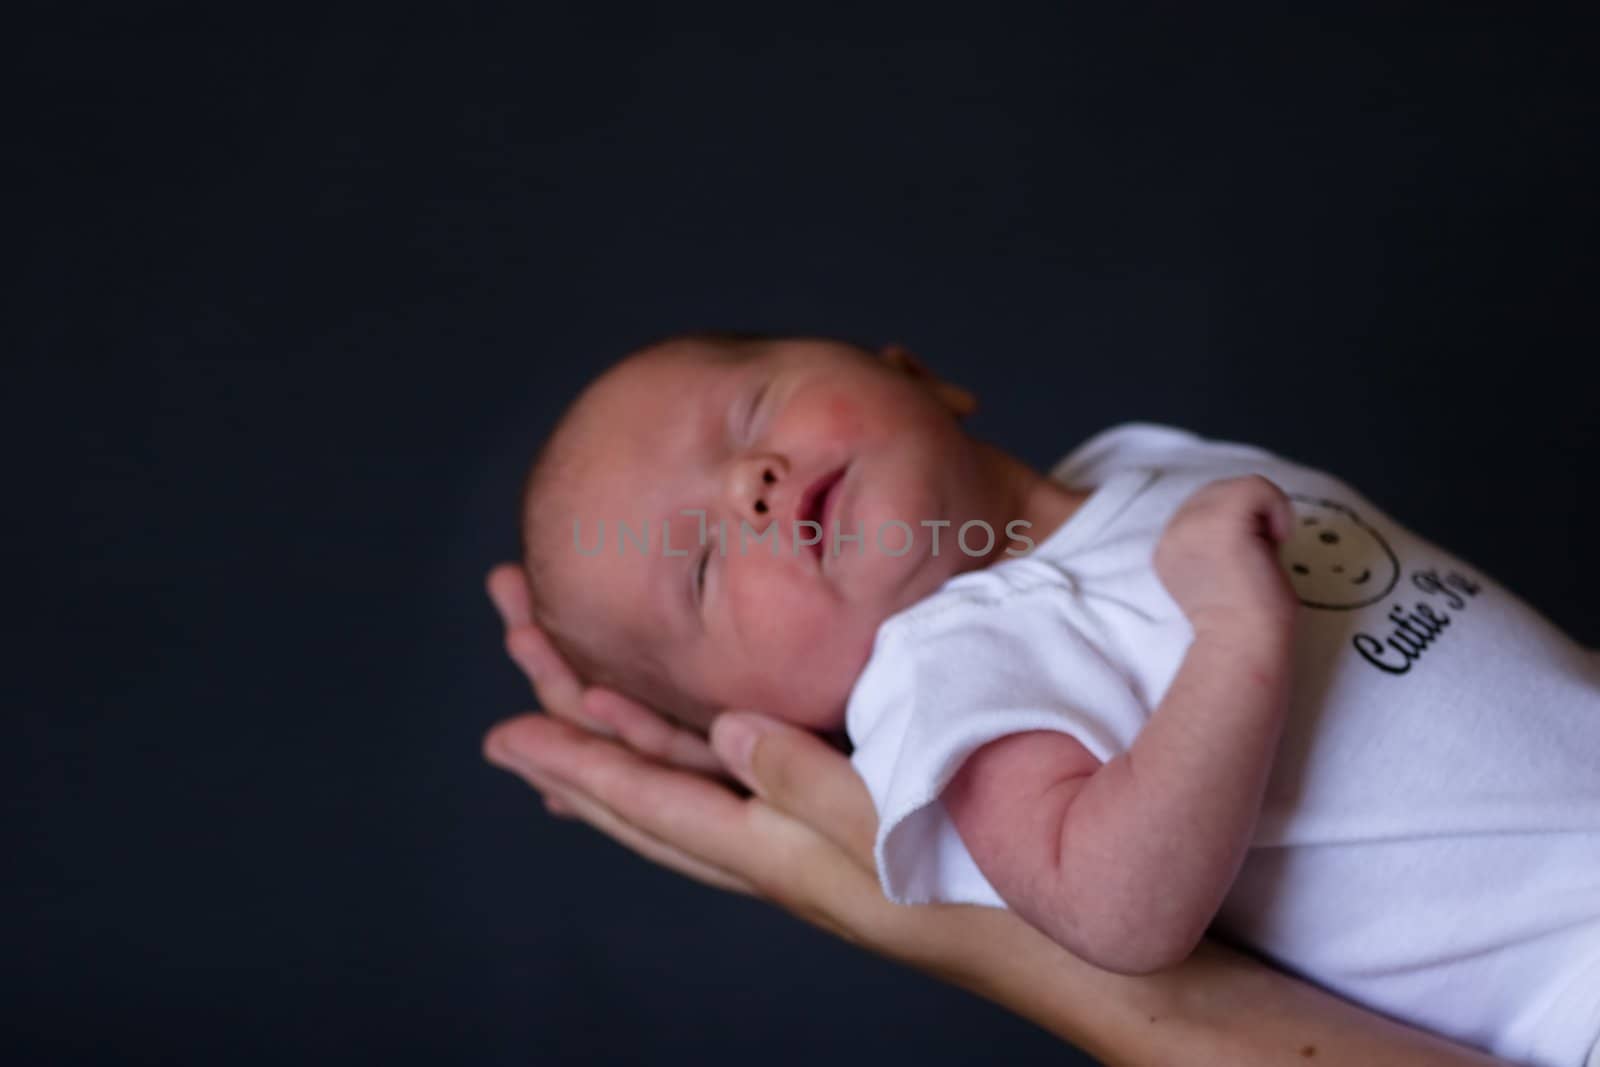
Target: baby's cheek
834	417
844	418
783	619
774	612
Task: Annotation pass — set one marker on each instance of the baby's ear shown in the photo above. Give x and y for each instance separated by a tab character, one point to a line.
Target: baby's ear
959	401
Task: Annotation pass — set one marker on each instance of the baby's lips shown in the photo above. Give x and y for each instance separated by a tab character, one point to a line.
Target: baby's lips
806	525
810	505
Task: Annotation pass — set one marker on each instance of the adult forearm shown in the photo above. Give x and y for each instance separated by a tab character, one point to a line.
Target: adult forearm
1151	844
1218	1007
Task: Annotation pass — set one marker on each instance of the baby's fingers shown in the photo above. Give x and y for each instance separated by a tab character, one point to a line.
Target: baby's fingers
648	733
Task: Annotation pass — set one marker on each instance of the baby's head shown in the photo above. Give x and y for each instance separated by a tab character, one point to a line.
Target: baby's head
755	432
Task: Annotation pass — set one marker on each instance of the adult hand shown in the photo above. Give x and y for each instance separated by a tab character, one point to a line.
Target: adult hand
803	839
595	708
603	758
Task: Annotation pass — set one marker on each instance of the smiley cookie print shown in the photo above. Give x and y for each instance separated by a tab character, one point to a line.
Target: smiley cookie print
1334	560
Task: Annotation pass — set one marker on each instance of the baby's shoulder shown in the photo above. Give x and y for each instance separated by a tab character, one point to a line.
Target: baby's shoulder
1006	597
1148	445
984	636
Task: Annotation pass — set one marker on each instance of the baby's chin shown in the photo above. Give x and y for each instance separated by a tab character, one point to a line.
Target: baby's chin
828	721
811	691
826	717
803	706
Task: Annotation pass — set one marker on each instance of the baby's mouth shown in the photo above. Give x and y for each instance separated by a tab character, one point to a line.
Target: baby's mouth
1364	576
813	506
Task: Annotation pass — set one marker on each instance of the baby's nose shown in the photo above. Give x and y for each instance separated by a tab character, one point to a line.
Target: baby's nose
756	485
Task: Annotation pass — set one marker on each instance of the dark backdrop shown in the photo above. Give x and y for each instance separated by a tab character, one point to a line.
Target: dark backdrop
292	306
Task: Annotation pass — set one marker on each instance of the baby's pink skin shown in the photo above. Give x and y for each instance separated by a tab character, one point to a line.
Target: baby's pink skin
785	633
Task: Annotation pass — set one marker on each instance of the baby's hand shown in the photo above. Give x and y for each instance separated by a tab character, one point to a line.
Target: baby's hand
1218	557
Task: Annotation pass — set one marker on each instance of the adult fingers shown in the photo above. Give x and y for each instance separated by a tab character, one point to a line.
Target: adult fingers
557	687
559	690
776	855
686	810
571	801
656	851
507	584
797	773
649	733
555	684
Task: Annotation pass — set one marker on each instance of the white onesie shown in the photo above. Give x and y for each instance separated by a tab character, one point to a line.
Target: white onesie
1429	844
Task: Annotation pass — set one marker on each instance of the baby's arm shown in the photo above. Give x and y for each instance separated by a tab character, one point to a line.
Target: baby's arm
1126	863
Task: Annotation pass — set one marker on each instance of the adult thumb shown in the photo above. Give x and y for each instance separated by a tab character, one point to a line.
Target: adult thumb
799	774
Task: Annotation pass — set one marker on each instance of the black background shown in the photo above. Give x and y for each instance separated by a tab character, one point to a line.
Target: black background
294	303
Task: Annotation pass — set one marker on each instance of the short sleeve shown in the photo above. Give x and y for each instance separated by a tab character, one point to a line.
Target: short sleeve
1146	444
943	683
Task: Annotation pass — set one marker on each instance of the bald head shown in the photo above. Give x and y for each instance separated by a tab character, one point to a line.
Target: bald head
561	467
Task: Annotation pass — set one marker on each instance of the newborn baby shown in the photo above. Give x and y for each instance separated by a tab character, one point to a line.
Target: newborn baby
1071	695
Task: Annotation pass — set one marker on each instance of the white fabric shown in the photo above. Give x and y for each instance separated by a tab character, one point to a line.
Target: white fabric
1429	845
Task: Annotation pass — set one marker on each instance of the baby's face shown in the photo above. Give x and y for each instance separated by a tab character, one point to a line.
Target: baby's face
807	429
